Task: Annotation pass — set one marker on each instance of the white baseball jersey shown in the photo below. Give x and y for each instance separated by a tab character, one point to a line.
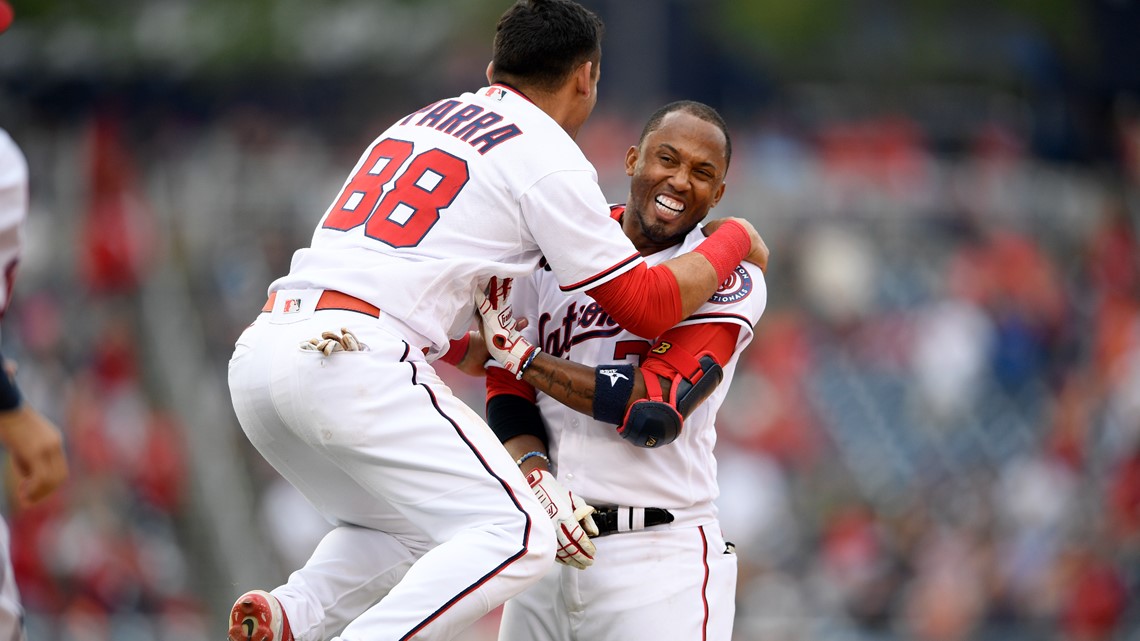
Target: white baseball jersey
674	581
484	184
593	461
13	211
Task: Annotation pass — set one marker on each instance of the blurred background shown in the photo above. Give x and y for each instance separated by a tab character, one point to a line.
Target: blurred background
935	435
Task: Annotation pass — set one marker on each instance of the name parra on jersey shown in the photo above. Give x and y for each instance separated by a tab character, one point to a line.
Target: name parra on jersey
466	121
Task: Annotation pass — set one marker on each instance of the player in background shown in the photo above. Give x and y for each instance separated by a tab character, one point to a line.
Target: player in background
334	382
659	565
34	444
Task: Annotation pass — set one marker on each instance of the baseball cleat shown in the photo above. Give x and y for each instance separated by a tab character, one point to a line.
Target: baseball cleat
257	616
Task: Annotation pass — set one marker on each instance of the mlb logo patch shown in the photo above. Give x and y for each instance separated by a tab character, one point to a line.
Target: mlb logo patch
291	306
498	93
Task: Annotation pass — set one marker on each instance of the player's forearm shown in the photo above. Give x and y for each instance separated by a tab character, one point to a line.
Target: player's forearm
701	272
524	444
649	301
570	383
696	280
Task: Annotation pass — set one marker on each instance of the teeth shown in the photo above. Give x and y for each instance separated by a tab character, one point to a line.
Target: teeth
671	205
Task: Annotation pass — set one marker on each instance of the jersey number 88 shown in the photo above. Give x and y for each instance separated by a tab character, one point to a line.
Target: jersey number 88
402	215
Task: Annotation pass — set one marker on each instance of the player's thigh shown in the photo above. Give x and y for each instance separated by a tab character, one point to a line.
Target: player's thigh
539	613
310	415
401	434
660	584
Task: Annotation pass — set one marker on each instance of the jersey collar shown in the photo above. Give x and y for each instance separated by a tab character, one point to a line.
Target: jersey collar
514	90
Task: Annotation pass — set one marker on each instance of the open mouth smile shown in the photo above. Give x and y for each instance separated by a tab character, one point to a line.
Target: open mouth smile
669	206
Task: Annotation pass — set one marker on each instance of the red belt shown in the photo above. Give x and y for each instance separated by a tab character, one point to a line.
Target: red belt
331	299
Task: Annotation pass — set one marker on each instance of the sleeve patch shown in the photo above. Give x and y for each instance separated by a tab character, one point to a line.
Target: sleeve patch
734	289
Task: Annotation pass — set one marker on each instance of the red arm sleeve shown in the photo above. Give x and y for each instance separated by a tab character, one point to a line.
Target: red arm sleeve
457	350
719	339
500	381
645	301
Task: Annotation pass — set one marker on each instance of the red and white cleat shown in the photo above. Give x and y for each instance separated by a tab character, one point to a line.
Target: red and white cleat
257	616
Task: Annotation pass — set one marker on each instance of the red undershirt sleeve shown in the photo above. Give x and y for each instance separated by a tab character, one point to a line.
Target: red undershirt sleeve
647	300
717	338
500	381
644	300
456	350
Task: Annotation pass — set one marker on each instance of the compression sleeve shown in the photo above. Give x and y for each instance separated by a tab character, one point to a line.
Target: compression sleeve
732	241
500	381
719	339
647	300
511	408
456	350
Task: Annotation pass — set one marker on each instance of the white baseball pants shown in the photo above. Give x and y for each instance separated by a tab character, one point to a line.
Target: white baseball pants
436	526
660	583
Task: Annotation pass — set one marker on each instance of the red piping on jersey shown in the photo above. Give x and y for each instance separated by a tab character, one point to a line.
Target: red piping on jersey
600	275
721	317
705	583
514	499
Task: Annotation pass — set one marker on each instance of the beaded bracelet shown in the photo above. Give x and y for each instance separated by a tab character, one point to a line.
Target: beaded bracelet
533	454
526	364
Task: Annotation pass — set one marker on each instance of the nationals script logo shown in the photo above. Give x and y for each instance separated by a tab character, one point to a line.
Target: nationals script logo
735	288
578	324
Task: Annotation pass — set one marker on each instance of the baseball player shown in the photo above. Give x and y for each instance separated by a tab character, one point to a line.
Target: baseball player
34	444
334	382
627	423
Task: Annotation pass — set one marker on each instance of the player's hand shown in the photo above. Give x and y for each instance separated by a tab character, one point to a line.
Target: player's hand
36	450
573	523
500	331
330	342
759	253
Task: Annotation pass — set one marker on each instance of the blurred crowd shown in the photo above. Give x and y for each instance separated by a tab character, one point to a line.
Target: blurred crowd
935	435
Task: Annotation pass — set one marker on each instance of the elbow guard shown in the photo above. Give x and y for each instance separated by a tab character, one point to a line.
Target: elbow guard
654	421
650	423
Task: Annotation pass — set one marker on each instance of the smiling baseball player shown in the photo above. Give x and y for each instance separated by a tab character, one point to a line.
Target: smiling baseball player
334	383
627	423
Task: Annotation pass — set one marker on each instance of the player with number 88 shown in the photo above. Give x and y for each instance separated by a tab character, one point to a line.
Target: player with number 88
435	525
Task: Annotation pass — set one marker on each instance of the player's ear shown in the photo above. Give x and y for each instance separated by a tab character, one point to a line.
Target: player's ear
490	71
630	160
717	196
584	77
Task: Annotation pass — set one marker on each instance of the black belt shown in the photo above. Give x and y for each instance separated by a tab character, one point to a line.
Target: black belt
628	519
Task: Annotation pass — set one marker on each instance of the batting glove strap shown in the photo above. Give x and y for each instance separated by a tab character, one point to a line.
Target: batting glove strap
573	521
